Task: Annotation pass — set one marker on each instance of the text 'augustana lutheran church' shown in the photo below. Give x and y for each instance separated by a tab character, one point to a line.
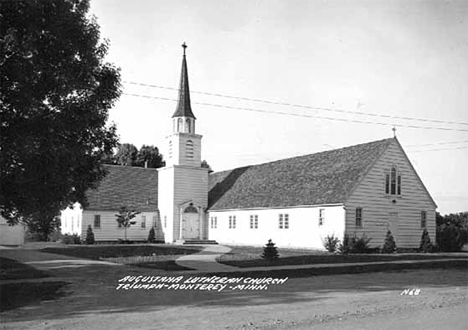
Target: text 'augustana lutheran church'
366	189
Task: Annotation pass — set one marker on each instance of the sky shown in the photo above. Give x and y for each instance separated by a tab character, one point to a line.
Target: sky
298	77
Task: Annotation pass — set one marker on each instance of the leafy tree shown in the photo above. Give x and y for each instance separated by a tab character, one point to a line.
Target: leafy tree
389	243
124	218
205	164
152	236
149	156
426	245
89	235
270	251
126	154
56	90
452	231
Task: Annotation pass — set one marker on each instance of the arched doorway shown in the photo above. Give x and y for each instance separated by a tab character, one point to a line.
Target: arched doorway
190	223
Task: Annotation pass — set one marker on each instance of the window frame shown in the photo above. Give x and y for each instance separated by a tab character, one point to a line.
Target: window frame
392	182
423	219
358	217
143	222
254	221
97	217
321	216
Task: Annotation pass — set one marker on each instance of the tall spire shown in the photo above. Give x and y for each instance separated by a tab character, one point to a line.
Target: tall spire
184	109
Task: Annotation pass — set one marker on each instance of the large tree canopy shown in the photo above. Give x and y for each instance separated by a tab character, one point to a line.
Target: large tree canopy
56	90
128	155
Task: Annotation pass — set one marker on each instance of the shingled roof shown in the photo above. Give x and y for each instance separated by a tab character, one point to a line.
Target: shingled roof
323	178
135	187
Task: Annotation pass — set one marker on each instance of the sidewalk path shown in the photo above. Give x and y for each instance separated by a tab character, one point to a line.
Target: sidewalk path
205	260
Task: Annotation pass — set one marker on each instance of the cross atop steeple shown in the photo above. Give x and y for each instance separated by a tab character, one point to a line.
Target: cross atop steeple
184	46
394	131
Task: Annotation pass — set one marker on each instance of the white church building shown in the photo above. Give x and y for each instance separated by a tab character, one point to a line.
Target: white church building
362	189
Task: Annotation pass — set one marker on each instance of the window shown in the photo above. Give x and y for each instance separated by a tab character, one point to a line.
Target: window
143	221
232	222
321	216
393	182
165	221
155	222
359	217
214	222
254	222
180	122
170	149
97	221
189	149
423	219
187	126
283	221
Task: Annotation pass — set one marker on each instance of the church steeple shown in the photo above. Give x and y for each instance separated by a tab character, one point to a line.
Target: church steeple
184	108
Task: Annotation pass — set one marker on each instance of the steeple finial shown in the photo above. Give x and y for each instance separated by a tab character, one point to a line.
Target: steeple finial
394	131
184	46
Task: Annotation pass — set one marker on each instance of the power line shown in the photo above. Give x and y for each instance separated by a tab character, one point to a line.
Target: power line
302	106
464	147
436	144
300	115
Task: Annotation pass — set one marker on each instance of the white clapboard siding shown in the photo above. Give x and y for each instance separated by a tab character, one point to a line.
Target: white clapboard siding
190	186
71	220
166	201
377	206
109	230
304	229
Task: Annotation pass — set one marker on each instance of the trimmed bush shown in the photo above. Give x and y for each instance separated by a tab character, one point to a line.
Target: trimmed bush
426	244
389	243
330	243
354	244
151	236
71	239
270	252
89	235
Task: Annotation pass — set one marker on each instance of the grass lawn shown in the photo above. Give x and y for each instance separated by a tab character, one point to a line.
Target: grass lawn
103	252
13	270
246	256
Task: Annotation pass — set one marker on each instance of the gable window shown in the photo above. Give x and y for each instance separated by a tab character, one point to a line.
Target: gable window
393	182
232	222
254	221
321	216
214	222
359	217
283	221
189	149
143	221
423	219
97	221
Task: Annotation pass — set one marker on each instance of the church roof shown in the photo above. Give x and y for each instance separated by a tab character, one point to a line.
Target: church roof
135	187
326	177
184	108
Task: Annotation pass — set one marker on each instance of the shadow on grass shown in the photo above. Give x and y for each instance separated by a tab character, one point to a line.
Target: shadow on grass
169	265
325	259
13	270
14	295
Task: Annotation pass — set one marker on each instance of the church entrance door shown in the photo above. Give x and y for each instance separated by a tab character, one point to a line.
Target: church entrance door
190	223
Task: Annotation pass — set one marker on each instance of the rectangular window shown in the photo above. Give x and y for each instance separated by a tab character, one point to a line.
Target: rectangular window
393	181
387	183
254	222
359	217
214	222
423	219
155	222
283	221
97	221
232	222
143	221
399	185
321	216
